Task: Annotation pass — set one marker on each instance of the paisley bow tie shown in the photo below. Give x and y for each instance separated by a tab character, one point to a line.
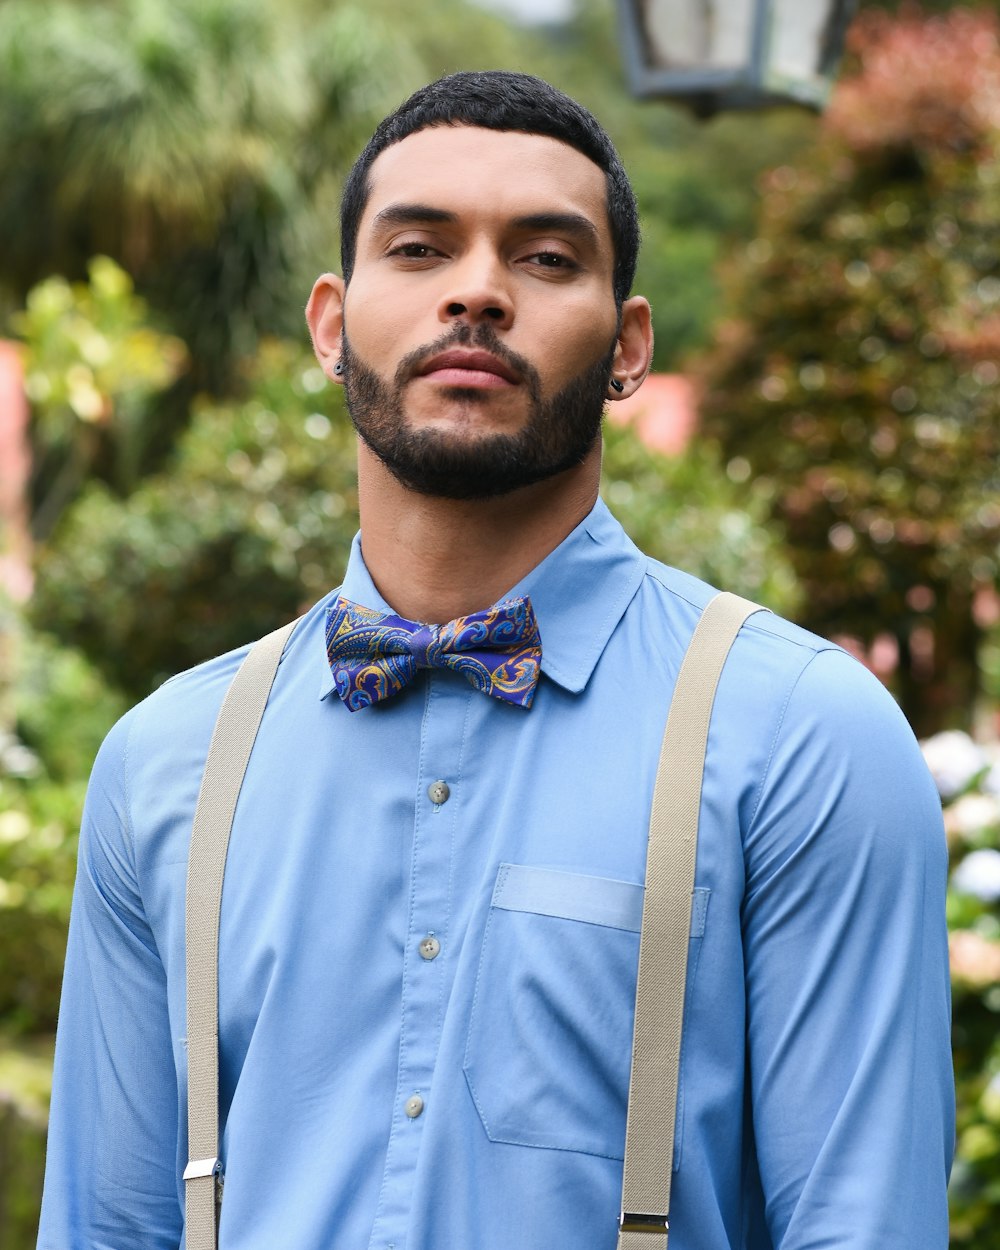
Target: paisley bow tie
373	655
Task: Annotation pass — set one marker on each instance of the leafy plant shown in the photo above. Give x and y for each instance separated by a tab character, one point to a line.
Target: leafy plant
686	511
968	778
252	522
859	373
92	364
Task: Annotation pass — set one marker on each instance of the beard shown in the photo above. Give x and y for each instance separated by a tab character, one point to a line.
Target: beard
557	434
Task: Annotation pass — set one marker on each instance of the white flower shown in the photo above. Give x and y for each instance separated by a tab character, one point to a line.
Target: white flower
953	759
14	826
971	815
979	874
975	960
16	760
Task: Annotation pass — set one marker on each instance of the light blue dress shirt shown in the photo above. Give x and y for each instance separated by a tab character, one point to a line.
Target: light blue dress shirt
426	1006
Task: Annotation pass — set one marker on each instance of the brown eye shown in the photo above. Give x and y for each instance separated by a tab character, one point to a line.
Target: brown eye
413	251
552	260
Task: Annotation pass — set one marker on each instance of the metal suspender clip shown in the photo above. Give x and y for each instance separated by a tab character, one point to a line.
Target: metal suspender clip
198	1168
202	1167
636	1222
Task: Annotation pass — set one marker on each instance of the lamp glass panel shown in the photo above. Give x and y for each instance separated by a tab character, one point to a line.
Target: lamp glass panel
797	37
688	34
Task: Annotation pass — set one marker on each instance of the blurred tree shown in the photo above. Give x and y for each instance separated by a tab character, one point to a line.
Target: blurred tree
685	511
25	1082
196	142
38	835
92	363
252	522
968	778
859	374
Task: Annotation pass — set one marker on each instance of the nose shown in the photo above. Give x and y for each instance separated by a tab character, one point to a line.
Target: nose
477	290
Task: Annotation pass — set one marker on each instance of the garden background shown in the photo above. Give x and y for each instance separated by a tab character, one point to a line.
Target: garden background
176	477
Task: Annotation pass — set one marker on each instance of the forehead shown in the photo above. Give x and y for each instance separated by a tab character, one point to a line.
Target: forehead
472	170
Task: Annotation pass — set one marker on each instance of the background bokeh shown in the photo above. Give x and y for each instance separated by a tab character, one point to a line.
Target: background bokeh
181	477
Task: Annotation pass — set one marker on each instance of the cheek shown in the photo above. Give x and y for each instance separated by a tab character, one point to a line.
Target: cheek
572	346
379	325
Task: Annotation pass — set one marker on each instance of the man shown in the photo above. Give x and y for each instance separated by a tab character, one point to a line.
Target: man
429	929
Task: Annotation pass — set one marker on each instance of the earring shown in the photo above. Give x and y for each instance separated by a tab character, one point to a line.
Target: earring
338	368
617	386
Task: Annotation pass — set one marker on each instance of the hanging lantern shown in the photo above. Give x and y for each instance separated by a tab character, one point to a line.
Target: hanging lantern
734	54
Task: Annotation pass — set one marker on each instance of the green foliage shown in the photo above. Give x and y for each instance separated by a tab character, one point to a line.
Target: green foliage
63	708
860	375
196	142
25	1081
253	521
685	511
969	779
62	711
38	831
92	363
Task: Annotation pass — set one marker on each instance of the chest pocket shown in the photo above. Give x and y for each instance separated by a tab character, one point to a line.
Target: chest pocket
550	1036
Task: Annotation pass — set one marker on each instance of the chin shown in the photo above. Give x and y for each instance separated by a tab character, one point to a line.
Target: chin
466	410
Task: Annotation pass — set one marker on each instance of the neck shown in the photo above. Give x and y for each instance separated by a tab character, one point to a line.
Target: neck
434	559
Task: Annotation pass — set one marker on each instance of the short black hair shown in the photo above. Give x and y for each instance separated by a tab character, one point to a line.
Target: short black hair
501	100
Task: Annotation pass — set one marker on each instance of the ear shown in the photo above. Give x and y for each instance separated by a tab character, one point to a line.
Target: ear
325	317
634	350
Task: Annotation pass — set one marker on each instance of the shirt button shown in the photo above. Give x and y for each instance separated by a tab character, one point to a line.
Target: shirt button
414	1106
438	792
430	947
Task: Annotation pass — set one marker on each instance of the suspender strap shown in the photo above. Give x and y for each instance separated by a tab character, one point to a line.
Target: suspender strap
666	929
228	755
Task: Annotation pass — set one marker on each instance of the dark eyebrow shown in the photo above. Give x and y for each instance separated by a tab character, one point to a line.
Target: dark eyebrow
410	215
560	223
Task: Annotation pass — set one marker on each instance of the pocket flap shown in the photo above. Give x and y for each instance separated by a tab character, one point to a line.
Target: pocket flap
569	896
572	896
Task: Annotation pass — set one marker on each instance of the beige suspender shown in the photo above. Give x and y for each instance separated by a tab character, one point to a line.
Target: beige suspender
666	928
666	920
228	754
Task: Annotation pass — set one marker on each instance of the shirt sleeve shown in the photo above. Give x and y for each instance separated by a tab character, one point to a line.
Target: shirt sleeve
848	998
111	1168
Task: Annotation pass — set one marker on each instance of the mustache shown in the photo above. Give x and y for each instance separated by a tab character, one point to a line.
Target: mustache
463	335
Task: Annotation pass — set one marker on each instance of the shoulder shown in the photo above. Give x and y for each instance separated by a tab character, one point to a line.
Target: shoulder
672	603
150	764
182	710
154	741
807	712
181	713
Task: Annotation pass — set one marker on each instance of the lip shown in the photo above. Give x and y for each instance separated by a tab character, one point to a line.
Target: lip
458	367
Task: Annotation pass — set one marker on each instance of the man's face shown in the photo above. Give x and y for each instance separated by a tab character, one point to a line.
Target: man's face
479	323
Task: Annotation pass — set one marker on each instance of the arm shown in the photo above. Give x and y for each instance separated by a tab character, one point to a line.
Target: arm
847	975
110	1179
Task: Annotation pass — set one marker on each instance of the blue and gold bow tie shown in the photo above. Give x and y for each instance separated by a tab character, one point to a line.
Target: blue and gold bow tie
373	655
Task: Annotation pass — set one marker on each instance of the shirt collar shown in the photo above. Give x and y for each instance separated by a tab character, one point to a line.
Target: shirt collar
579	593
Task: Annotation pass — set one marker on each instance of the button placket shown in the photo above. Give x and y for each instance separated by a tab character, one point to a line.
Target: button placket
442	734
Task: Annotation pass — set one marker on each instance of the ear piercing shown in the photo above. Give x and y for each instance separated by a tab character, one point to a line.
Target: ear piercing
338	368
617	386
